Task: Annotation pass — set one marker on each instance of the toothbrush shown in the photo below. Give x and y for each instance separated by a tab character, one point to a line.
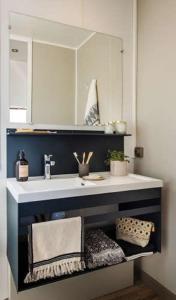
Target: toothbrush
84	155
89	157
76	156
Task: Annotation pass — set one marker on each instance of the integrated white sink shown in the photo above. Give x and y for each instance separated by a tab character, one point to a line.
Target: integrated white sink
66	186
55	184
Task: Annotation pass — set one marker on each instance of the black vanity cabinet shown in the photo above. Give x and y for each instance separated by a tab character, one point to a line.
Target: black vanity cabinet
98	211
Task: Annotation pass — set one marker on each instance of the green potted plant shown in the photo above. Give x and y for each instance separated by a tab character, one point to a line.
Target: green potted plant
118	162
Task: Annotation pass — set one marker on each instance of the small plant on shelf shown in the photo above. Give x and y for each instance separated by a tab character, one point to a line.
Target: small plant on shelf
116	155
118	162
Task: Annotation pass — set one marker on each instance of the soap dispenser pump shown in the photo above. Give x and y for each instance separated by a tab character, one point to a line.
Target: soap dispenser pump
22	167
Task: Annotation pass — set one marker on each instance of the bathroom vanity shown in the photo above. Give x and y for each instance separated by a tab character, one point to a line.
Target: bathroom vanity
99	203
57	96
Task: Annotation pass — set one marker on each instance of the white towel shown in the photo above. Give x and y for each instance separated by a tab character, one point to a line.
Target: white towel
55	248
135	256
92	111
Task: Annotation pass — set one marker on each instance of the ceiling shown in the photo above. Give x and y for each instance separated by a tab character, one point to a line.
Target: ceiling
47	31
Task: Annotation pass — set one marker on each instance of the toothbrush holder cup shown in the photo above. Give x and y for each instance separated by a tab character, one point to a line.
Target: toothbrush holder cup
83	170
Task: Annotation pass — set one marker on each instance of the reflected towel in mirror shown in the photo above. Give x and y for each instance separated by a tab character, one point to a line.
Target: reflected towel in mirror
92	117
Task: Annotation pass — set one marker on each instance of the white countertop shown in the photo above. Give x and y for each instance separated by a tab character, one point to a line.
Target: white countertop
65	186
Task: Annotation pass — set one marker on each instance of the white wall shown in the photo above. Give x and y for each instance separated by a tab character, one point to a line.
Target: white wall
53	77
156	121
109	16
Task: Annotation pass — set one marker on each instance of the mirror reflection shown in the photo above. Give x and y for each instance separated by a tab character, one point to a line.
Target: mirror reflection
63	75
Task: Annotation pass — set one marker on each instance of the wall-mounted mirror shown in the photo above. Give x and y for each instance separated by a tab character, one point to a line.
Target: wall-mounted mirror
63	75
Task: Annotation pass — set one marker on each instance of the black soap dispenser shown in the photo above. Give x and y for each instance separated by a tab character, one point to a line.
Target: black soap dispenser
22	167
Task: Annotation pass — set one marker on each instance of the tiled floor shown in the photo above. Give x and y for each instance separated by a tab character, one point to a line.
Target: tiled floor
137	292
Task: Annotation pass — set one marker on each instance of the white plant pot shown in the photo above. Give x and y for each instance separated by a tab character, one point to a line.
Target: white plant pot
118	168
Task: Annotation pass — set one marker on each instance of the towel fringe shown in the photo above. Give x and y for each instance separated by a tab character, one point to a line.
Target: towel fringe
56	269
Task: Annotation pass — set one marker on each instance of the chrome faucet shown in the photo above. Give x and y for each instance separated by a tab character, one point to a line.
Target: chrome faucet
48	163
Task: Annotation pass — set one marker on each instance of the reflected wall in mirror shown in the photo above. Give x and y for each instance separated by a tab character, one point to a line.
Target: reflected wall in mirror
63	75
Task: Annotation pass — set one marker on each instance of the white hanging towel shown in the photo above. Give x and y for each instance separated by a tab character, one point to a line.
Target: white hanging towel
92	111
55	248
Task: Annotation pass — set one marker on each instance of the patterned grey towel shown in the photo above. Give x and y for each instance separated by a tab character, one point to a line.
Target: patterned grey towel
100	250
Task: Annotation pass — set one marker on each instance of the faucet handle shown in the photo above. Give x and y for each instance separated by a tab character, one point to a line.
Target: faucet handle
47	157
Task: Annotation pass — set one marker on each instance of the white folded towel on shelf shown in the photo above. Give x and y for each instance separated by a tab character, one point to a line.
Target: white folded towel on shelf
138	255
92	111
55	248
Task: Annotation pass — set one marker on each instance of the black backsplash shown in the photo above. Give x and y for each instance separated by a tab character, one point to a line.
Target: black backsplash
62	147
